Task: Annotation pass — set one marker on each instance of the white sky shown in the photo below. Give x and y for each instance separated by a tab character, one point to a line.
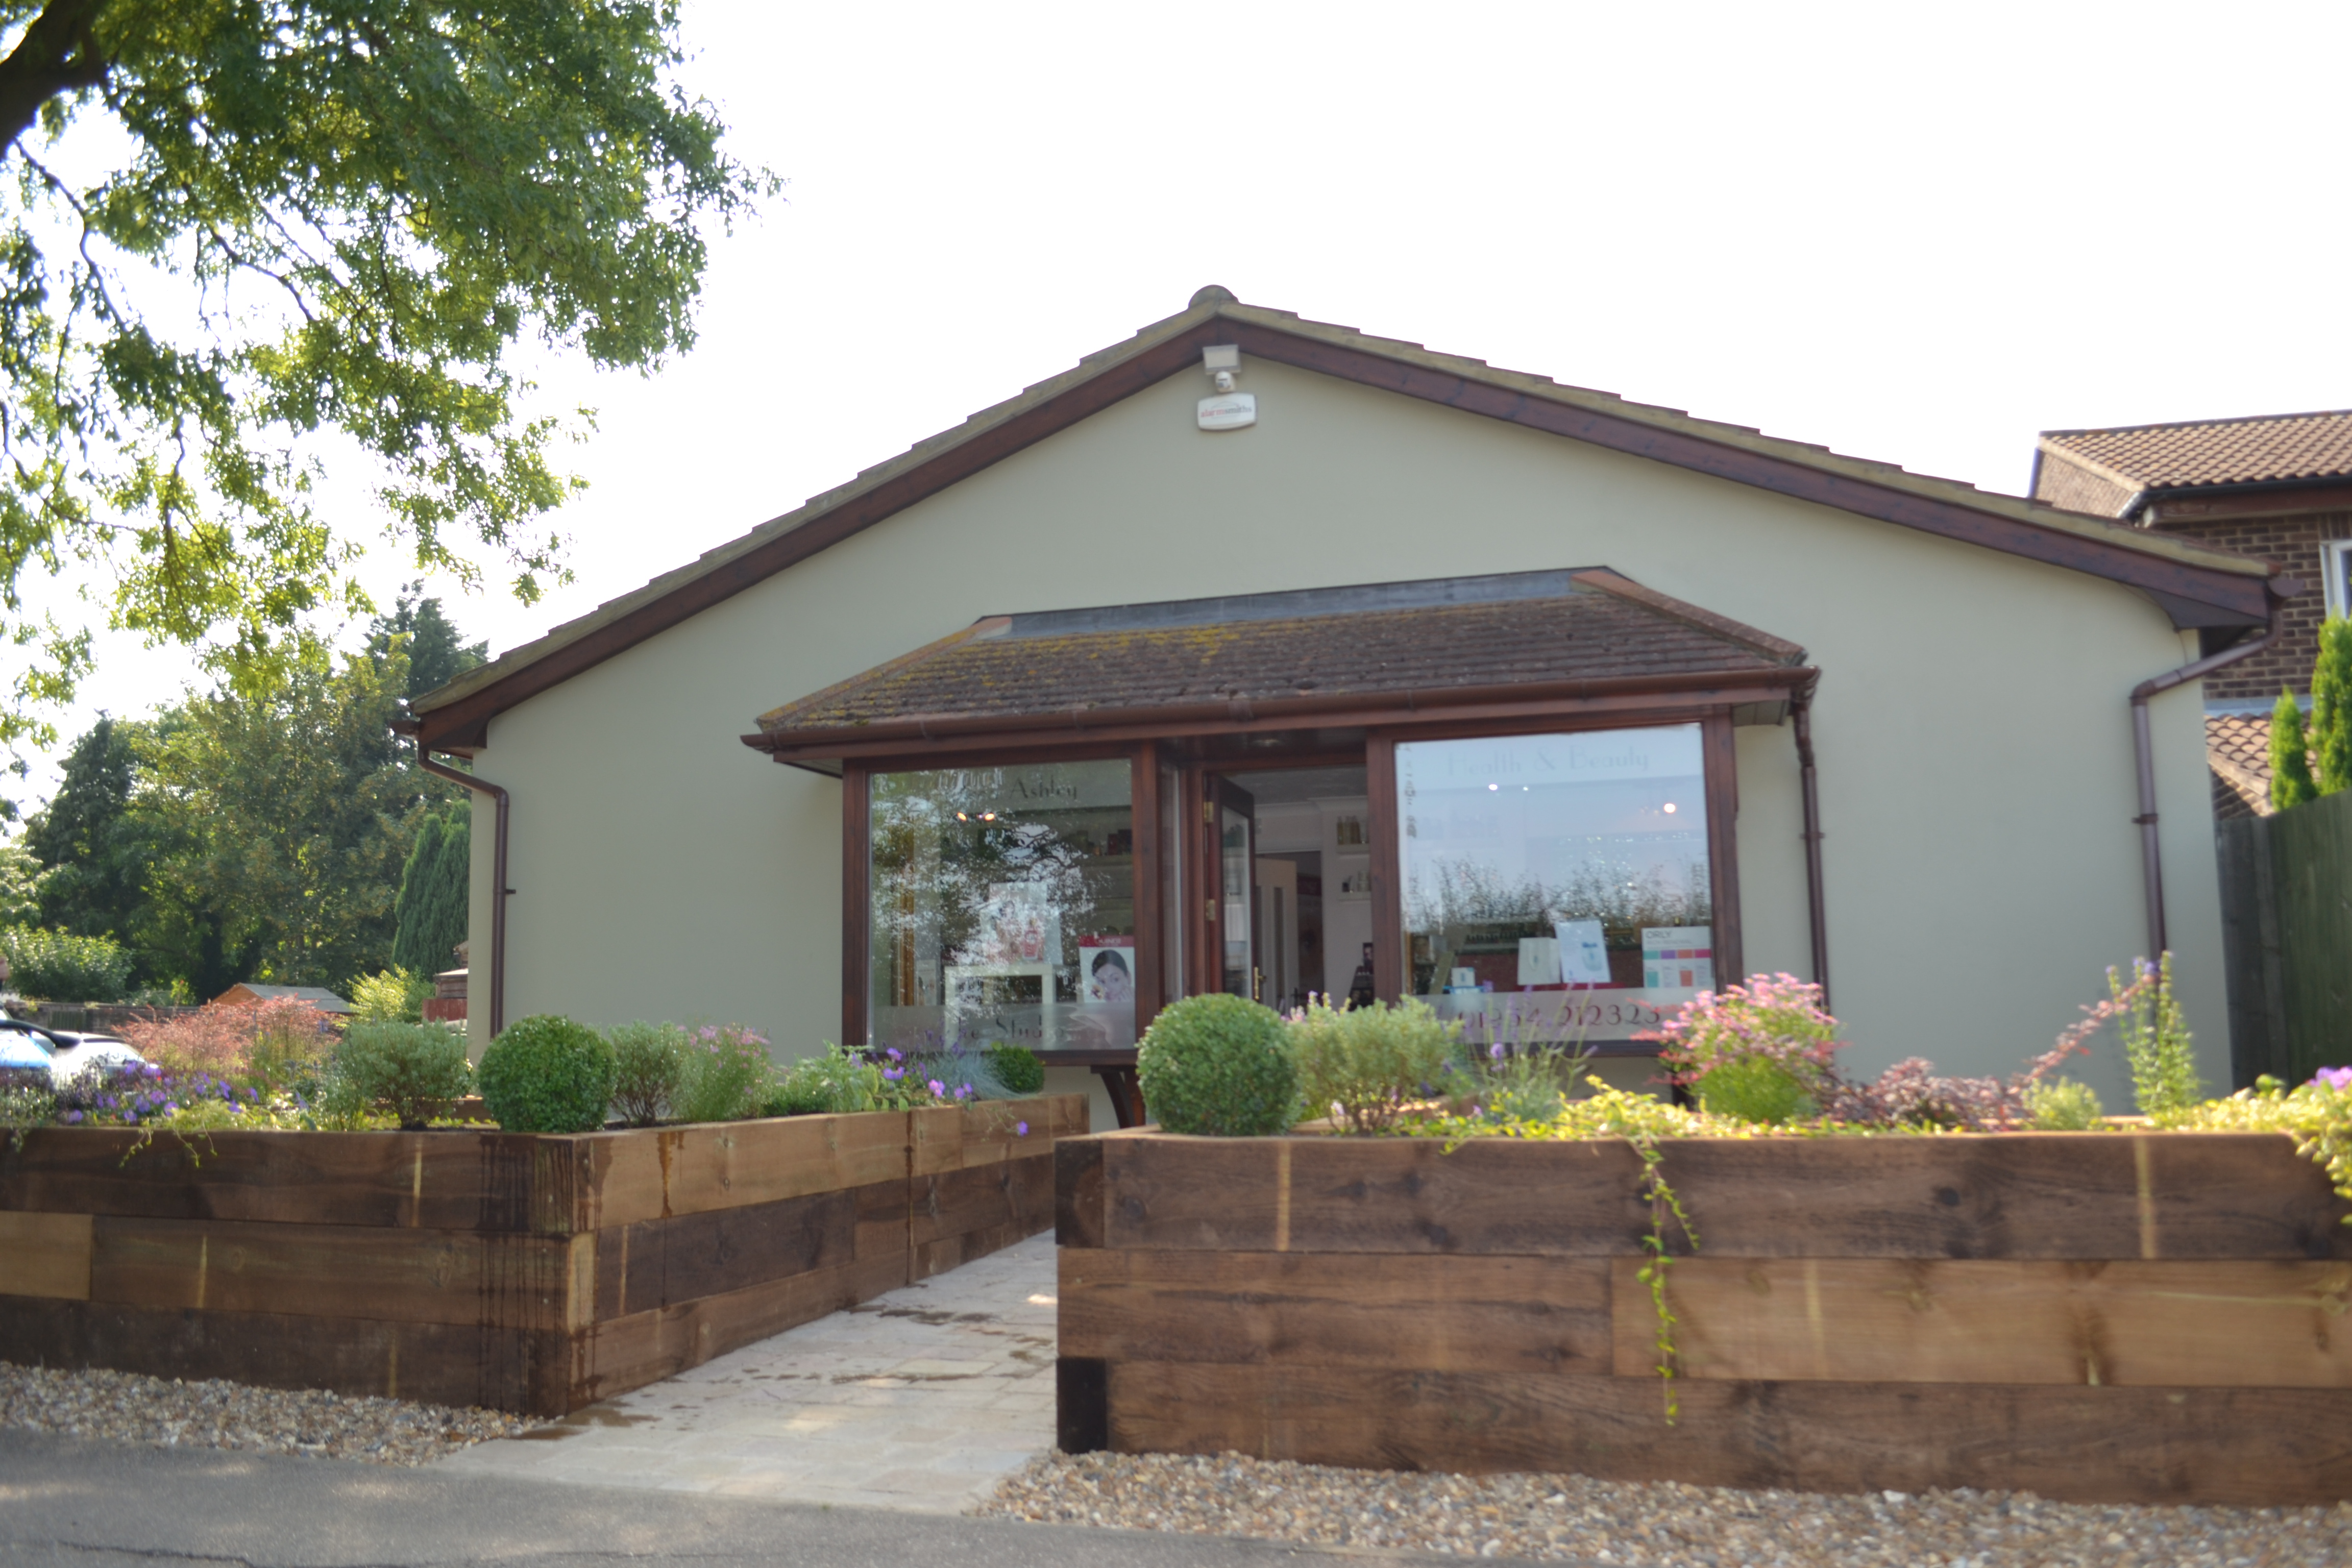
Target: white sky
1912	233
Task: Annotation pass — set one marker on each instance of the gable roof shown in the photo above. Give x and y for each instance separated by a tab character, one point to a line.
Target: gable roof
2198	587
1331	651
319	996
2269	449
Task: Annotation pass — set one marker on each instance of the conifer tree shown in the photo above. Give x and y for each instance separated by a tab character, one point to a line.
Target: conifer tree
433	896
2290	766
2331	708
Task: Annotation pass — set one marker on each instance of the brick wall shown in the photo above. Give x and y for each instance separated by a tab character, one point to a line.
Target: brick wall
2294	543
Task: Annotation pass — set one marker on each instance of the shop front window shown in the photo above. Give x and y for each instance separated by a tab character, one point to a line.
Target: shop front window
1555	887
1003	907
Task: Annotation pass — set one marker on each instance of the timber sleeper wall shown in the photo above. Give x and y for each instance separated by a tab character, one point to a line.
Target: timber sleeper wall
520	1272
2154	1317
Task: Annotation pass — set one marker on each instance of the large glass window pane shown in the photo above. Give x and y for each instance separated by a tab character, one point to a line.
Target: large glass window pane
1003	907
1555	885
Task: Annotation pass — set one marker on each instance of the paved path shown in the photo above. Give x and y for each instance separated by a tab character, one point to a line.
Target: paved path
922	1399
65	1503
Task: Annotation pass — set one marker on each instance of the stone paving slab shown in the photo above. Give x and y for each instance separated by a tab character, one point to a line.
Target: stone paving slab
922	1399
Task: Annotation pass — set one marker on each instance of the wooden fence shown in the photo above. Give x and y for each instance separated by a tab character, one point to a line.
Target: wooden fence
2286	930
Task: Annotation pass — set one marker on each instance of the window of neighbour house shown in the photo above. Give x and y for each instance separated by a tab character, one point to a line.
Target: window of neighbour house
2335	564
1556	886
1002	906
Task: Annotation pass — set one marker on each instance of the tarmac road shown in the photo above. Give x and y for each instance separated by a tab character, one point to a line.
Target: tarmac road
65	1503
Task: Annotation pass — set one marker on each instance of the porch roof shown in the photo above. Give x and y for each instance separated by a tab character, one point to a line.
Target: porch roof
1315	652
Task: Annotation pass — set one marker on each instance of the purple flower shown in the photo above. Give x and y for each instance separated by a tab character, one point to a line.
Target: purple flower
2335	1077
71	1117
894	1074
939	1089
1021	1129
892	1054
1496	1050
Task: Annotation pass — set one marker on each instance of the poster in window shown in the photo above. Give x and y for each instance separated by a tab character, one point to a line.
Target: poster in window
1106	970
1583	953
1679	958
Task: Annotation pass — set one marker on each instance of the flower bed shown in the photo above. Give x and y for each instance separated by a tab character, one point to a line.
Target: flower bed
526	1272
2099	1317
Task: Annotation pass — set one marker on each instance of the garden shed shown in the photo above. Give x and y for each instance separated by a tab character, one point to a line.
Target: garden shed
1260	655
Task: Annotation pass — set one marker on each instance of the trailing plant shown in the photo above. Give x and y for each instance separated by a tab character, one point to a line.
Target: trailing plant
1217	1065
57	967
726	1068
648	1070
1365	1064
27	1099
2317	1115
2157	1042
406	1069
547	1074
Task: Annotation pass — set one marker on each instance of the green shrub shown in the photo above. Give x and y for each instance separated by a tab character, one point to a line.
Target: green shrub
2157	1042
648	1067
1364	1064
726	1075
798	1093
547	1074
57	966
2064	1106
1755	1088
406	1068
1218	1065
1017	1067
390	996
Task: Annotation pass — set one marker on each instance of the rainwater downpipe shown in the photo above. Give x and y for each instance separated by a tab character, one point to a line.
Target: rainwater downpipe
499	888
2151	858
1800	711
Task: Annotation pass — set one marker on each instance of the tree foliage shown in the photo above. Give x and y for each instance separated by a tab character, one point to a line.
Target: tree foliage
431	914
2331	708
97	847
436	656
240	234
292	816
2290	762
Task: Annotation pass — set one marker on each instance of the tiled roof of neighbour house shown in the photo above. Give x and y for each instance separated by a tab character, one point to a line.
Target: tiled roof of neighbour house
319	996
1318	646
2198	585
2238	748
2104	469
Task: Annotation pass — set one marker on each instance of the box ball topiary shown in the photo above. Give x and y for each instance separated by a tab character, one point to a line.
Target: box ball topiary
1218	1065
547	1074
1017	1067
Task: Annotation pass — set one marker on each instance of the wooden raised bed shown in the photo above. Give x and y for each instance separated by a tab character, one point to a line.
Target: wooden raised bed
2154	1317
521	1272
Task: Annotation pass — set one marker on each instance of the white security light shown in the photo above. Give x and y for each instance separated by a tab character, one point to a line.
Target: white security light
1220	360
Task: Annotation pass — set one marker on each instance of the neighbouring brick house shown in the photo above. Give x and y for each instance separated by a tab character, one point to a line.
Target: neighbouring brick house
2275	486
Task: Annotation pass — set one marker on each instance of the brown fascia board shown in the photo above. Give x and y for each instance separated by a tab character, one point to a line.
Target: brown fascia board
2266	497
2213	586
1320	710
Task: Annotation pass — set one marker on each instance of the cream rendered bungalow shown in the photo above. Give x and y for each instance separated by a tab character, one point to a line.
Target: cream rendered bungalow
1258	655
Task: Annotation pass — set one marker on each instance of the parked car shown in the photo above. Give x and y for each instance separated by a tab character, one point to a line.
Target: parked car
66	1053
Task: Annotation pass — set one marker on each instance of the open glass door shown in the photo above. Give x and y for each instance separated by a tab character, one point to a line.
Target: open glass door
1236	820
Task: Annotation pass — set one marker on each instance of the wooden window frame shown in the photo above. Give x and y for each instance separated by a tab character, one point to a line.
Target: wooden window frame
1721	785
1154	984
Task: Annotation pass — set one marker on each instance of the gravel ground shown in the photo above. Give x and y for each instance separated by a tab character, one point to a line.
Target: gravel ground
1659	1525
126	1407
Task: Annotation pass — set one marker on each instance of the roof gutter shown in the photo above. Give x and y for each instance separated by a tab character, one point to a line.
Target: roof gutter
2144	747
499	888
